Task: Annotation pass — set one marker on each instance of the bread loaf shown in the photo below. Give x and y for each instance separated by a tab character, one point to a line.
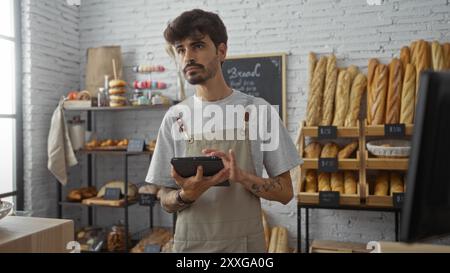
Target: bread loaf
311	181
446	52
315	95
324	182
350	182
348	150
312	59
337	182
382	184
353	71
408	95
330	150
414	47
357	90
266	229
378	95
405	57
423	61
313	150
330	91
394	92
396	182
437	56
342	98
373	63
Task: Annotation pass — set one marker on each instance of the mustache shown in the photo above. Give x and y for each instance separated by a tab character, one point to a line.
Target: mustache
192	65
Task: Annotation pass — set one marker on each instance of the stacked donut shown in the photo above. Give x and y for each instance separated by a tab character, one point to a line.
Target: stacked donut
117	91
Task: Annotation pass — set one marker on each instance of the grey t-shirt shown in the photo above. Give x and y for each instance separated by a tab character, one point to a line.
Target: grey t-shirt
271	149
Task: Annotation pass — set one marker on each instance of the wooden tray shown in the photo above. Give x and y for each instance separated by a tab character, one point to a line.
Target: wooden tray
99	201
378	201
108	148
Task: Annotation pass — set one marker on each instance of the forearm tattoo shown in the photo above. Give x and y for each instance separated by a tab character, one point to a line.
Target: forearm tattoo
169	201
270	184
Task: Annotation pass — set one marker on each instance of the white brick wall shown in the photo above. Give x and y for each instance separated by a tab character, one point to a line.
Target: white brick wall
350	29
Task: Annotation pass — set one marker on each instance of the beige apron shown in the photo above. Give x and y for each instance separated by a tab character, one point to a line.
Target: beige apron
223	219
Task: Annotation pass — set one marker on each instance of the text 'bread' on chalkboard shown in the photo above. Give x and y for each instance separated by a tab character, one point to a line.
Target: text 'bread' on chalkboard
261	76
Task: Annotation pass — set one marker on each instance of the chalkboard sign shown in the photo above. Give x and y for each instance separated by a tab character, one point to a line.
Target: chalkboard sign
329	198
112	194
399	198
136	145
327	132
147	199
260	76
394	130
328	165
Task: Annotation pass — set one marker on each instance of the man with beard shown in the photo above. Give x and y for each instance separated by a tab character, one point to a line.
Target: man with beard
212	218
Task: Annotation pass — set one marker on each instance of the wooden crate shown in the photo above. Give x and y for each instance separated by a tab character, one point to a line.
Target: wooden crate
342	132
378	163
378	130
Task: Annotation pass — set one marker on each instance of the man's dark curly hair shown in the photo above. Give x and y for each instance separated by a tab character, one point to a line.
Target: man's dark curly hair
194	23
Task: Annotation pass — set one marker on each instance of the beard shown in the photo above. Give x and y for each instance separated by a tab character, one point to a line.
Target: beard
202	74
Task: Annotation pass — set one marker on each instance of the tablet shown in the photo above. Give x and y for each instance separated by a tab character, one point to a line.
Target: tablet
187	166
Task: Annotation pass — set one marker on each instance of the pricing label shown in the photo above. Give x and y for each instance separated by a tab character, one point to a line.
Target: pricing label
394	130
328	165
327	132
399	198
146	199
112	194
329	198
136	145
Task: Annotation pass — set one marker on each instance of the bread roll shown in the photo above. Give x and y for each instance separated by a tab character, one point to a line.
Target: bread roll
353	72
378	95
330	91
358	88
394	93
313	150
324	182
330	150
423	61
350	182
382	184
446	53
408	95
437	56
315	96
342	98
405	57
348	150
373	63
396	182
337	182
311	181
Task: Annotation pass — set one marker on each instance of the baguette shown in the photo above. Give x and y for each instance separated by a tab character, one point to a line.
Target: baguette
382	184
358	88
312	59
423	61
353	72
313	150
337	182
396	183
405	57
413	47
394	93
273	239
437	56
330	91
266	229
330	150
350	184
446	53
342	98
316	93
311	181
324	182
373	63
348	150
408	95
378	96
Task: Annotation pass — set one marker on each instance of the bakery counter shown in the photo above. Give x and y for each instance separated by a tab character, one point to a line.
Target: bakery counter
35	235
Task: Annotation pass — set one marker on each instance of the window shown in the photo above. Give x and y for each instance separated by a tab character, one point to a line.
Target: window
10	103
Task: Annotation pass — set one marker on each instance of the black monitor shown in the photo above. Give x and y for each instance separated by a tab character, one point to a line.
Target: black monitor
426	209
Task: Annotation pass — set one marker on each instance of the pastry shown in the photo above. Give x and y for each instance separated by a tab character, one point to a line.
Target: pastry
117	83
313	150
408	95
342	98
350	183
330	91
382	184
396	183
117	91
348	150
358	88
316	93
311	181
74	196
330	150
337	182
437	56
394	92
405	57
378	95
324	182
373	63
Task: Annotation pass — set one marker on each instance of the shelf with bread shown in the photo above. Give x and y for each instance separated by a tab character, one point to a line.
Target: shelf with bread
381	186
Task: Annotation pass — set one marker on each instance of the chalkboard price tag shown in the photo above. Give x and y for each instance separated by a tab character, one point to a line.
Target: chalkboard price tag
152	248
329	198
394	130
327	132
328	165
112	194
146	199
399	198
136	145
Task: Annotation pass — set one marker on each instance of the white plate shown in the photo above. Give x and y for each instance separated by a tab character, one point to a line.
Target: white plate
389	148
5	208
